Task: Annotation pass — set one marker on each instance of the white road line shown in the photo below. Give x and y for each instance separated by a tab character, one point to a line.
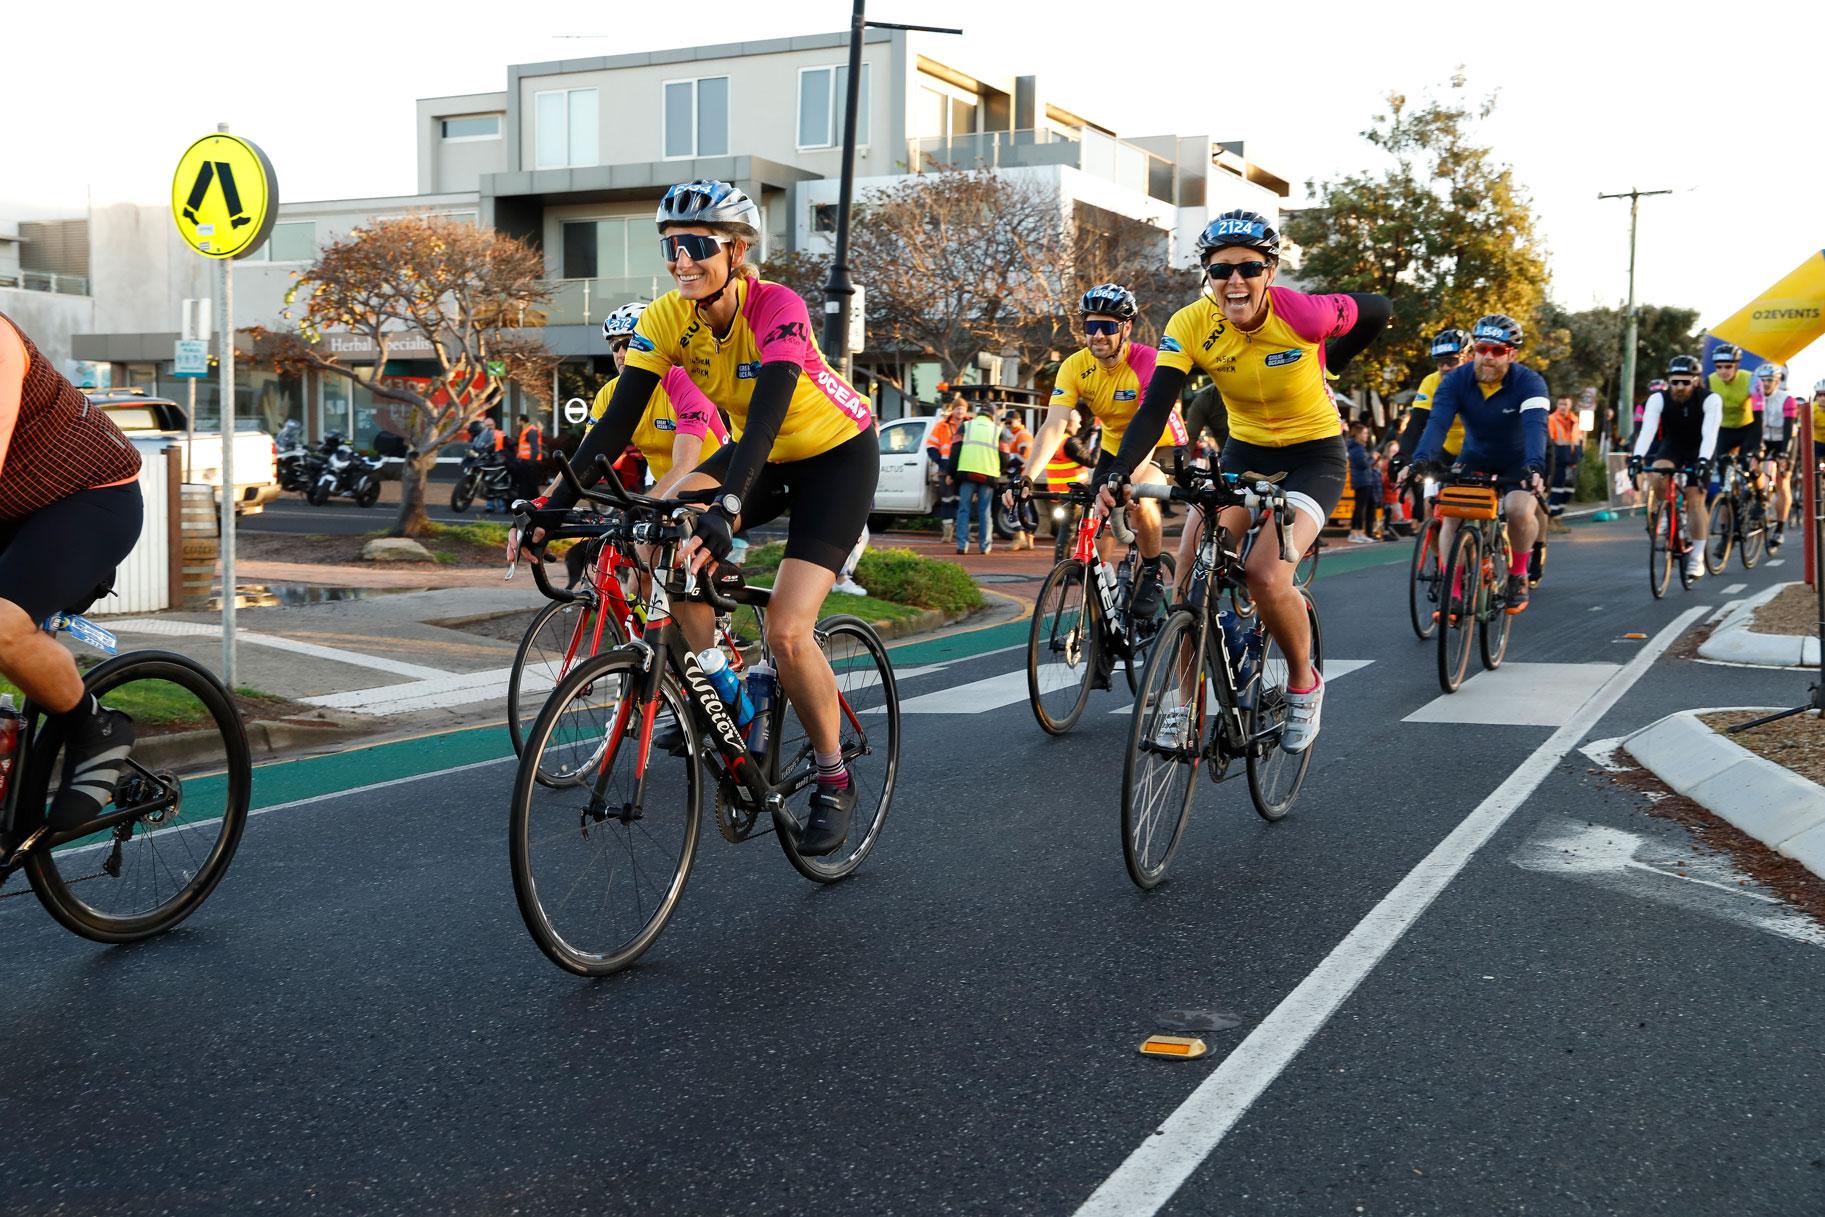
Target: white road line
1734	588
1334	669
1518	695
198	629
444	690
1775	562
976	697
1152	1173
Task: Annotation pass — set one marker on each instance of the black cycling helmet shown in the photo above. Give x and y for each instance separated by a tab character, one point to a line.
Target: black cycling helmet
1498	327
1449	342
1108	300
1723	352
1248	229
475	427
1683	365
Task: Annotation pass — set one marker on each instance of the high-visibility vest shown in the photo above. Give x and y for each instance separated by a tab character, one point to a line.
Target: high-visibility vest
500	440
981	448
531	442
1061	470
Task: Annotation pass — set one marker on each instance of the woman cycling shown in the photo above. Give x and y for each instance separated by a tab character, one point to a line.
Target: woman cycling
1267	349
805	440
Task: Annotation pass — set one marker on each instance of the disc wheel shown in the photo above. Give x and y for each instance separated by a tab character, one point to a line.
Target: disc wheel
190	768
1660	551
1165	734
558	638
1455	635
1064	647
1423	577
595	878
1274	774
1723	534
1493	624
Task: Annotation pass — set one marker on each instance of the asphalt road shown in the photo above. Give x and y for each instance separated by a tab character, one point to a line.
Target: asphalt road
356	1022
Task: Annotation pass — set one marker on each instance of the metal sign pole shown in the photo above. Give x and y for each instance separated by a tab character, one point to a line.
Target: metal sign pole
190	429
230	588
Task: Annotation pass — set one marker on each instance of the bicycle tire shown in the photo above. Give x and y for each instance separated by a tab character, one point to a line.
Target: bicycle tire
1492	626
1454	636
155	842
1660	550
545	656
1722	535
1307	568
871	697
1423	577
541	818
1276	776
1752	540
1080	646
1152	799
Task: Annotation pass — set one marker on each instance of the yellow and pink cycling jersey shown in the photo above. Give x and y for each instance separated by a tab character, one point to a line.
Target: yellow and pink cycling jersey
1112	394
771	325
677	407
1271	377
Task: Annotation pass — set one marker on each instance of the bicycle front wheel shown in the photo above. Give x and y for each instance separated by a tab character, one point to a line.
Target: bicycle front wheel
868	729
1755	534
1493	619
190	769
1064	648
1723	534
1274	774
1165	735
560	636
1307	570
1660	551
1423	581
597	876
1457	608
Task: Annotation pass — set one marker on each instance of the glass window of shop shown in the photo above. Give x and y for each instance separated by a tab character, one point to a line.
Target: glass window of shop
263	400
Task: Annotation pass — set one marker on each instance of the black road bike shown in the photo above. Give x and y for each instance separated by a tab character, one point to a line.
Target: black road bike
1739	517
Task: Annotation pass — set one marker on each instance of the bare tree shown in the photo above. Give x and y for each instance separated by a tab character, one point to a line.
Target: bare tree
433	280
1111	248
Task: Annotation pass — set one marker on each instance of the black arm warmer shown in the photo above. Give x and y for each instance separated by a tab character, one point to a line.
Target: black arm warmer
610	434
773	390
1149	422
1416	427
1372	316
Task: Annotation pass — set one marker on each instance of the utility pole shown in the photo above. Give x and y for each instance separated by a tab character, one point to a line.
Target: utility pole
838	288
1625	407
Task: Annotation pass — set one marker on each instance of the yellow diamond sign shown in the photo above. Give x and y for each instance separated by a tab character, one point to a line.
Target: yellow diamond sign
224	196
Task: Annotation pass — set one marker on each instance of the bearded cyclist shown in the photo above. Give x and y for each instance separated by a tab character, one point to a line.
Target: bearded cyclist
1679	429
805	441
1108	375
70	512
1780	423
1267	348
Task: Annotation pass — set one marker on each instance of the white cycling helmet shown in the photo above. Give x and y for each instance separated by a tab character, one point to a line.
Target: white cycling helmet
1768	371
1819	389
620	323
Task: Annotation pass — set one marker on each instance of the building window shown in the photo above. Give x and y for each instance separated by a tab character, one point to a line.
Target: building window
822	95
566	128
823	217
612	249
291	241
697	117
472	126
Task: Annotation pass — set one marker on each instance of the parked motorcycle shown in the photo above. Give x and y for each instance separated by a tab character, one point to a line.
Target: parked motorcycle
298	466
345	472
483	474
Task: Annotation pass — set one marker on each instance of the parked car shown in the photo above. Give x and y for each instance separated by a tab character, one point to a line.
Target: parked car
909	482
156	423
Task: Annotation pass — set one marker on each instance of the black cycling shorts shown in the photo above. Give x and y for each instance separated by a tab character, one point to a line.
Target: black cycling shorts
829	495
1316	471
1746	439
1682	458
1775	449
54	558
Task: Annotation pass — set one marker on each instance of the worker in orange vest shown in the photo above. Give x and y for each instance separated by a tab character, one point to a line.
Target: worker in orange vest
528	457
938	453
1017	441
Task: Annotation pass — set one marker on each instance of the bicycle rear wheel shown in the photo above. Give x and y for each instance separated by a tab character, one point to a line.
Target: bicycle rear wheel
869	731
595	878
1660	550
1457	612
190	768
1165	734
1307	569
1274	774
1423	581
1064	647
1723	534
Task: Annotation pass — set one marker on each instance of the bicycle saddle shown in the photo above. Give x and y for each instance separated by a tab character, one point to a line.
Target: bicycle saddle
1274	480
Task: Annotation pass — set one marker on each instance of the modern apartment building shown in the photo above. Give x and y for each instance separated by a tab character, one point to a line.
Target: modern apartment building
573	155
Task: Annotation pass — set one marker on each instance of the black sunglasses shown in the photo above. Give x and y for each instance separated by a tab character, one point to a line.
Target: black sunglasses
1221	271
619	344
1101	326
698	247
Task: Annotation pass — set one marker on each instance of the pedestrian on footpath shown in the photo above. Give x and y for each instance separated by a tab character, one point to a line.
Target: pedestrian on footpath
1567	445
977	451
938	451
1365	486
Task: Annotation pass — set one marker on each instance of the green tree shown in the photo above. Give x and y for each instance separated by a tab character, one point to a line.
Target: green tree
1442	230
1584	349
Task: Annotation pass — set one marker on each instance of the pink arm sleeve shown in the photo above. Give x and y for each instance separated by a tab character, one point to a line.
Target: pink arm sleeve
696	413
1314	318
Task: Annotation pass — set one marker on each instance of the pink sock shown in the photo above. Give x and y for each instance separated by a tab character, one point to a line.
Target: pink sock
1457	584
1517	564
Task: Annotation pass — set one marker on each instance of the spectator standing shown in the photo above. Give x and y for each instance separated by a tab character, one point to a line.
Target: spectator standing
1365	486
938	451
528	456
977	455
1567	447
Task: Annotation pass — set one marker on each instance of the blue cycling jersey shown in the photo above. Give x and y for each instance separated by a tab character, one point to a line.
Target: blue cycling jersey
1502	431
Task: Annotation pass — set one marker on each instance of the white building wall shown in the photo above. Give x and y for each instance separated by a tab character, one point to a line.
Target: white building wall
49	319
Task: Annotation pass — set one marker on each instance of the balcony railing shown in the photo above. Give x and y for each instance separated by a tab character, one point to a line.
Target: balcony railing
48	281
1091	151
588	301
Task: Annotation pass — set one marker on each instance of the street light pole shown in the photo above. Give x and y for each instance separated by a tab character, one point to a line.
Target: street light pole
1625	416
838	288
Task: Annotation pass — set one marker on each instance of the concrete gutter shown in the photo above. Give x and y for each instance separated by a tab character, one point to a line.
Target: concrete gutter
1734	642
1773	804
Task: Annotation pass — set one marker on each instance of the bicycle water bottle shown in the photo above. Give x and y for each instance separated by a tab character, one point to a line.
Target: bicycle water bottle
1234	640
727	685
762	686
9	740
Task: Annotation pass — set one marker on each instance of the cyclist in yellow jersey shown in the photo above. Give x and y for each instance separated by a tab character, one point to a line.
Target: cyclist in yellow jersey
674	435
1267	349
1742	430
1108	374
1449	349
804	440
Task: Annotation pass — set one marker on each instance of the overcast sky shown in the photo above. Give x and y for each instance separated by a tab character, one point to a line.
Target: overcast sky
1594	97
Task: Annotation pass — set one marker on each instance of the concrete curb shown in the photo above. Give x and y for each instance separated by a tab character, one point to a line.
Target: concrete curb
266	740
1734	642
1774	805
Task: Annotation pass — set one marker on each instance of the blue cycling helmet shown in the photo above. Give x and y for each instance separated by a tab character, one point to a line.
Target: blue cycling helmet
1498	327
715	204
1108	300
620	323
1448	342
1248	229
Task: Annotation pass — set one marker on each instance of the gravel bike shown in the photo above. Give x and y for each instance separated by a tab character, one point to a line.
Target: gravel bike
1214	689
153	855
600	857
1739	517
1474	574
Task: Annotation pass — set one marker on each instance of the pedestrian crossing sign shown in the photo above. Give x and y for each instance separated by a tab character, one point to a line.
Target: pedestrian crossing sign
224	196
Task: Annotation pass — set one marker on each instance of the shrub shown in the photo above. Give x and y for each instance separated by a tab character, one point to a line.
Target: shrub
904	577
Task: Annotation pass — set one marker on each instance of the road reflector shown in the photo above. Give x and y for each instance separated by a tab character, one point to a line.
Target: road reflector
1634	637
1173	1045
